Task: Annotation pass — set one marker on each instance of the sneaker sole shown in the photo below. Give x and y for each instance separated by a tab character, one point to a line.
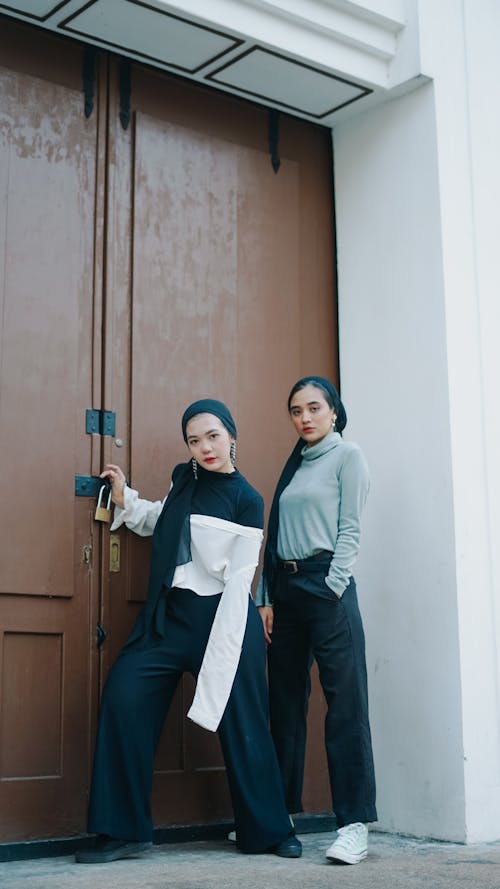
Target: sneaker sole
345	858
94	856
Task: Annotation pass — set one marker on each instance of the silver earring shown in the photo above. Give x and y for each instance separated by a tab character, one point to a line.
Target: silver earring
333	424
195	467
232	452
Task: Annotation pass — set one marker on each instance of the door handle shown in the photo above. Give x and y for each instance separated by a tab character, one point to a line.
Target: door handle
114	553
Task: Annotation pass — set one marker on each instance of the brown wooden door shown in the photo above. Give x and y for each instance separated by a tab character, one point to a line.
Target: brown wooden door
144	268
50	373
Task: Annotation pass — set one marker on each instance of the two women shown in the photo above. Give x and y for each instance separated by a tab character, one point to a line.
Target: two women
198	617
307	600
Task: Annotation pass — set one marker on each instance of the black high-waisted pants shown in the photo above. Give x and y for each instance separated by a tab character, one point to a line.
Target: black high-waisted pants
311	622
135	702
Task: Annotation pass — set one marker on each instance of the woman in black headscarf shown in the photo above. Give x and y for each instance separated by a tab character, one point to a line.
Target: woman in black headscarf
198	617
308	605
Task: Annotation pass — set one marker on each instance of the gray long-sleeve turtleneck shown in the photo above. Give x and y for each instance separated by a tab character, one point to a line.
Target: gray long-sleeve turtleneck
321	509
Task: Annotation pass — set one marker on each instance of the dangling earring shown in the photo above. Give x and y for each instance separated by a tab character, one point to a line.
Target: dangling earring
195	467
232	452
333	424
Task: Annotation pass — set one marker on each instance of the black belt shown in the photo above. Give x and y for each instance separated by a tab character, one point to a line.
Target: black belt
293	566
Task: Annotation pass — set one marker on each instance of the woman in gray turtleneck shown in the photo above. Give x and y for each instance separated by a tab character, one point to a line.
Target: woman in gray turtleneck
308	604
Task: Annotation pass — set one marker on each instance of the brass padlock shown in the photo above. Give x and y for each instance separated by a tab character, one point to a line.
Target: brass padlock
103	513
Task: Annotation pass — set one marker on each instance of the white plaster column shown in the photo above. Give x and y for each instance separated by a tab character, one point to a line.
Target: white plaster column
467	78
394	382
417	192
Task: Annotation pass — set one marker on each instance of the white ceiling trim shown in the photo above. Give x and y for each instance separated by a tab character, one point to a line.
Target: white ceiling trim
309	57
280	81
127	26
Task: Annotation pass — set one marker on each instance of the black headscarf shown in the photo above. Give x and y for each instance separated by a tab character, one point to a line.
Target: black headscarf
209	406
172	534
292	464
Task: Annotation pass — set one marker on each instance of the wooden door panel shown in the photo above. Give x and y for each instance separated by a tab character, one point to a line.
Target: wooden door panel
46	285
28	656
48	187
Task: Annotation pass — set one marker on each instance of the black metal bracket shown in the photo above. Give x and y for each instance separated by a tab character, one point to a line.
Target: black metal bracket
100	422
92	422
108	423
89	485
125	91
273	135
89	55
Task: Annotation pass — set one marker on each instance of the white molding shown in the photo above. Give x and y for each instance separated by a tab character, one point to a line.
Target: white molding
345	38
373	43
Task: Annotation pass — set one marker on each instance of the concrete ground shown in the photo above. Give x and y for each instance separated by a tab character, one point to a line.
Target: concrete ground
392	863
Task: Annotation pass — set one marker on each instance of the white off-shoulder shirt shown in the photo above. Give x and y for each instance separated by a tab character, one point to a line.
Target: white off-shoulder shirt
224	558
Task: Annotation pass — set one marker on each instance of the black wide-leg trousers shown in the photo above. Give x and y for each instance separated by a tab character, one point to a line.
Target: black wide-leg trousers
135	703
311	622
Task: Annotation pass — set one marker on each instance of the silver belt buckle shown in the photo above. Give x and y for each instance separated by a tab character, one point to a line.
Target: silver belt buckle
290	566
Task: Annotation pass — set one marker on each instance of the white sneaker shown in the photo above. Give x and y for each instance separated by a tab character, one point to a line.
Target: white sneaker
351	845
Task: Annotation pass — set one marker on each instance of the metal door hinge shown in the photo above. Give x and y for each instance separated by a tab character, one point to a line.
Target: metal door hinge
100	422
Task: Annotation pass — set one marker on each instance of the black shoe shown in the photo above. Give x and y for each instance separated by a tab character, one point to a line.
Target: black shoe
109	849
290	847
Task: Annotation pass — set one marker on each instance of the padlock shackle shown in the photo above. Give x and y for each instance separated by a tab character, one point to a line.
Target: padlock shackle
100	495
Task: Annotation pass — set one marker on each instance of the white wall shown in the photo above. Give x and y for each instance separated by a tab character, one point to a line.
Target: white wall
467	81
417	198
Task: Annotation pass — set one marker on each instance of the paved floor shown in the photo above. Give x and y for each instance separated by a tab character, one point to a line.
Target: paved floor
393	863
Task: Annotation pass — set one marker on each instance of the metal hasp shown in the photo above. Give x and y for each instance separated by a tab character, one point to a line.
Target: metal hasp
93	422
100	422
108	423
88	485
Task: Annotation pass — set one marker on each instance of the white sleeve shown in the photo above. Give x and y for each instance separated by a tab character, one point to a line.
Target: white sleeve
222	654
139	515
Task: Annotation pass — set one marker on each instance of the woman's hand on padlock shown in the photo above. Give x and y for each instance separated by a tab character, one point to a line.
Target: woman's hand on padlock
117	480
